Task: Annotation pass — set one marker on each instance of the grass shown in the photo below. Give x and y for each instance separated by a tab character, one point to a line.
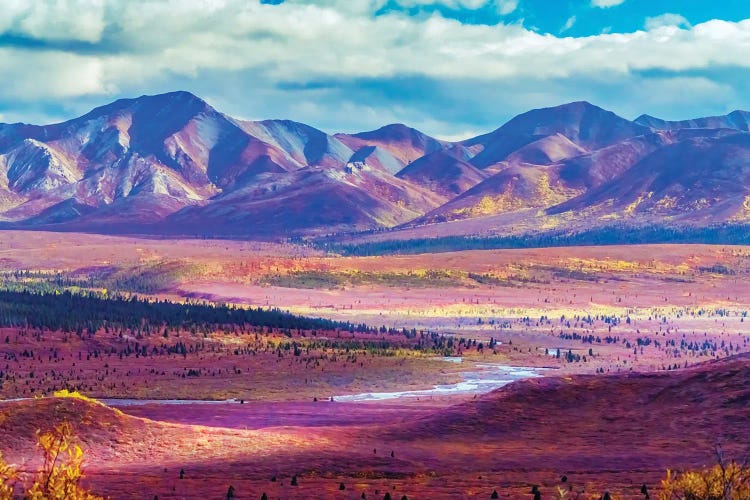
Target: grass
338	279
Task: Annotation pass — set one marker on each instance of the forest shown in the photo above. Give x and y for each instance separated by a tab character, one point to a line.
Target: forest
728	234
76	312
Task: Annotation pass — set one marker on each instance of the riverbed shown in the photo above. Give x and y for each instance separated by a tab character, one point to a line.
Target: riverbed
480	379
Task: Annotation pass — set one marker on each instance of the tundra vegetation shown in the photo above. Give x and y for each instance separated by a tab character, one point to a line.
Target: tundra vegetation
280	334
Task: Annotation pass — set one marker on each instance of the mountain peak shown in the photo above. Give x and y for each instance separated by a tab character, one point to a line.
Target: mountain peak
574	108
574	113
160	106
172	100
649	121
176	96
391	132
584	124
576	105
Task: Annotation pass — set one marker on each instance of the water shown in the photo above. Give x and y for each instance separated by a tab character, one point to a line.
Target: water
451	359
487	378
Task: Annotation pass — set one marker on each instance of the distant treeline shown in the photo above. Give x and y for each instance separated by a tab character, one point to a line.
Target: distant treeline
71	312
729	234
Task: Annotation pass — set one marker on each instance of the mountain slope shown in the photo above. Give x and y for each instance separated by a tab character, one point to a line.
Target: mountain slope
443	173
303	144
514	188
311	200
586	126
172	164
700	179
404	144
129	147
134	162
596	422
520	186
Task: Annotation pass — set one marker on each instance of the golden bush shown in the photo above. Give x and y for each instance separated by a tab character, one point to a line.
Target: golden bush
60	474
7	476
724	481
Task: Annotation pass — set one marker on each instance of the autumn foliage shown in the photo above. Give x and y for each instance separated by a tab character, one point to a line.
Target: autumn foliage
61	472
724	481
7	476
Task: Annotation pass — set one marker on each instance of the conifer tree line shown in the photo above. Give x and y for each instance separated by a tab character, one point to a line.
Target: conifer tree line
727	234
75	312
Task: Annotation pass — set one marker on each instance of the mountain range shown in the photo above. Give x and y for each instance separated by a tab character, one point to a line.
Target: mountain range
172	164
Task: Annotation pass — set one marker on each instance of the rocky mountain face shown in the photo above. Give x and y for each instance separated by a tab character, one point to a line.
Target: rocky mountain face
172	164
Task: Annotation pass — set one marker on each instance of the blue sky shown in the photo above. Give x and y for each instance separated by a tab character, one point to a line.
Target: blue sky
452	68
578	17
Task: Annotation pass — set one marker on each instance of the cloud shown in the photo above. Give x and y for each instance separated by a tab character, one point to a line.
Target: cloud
502	7
453	4
568	24
58	75
336	64
505	7
605	4
82	20
668	19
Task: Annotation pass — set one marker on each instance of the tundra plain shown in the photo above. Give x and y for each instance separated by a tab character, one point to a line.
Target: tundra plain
638	352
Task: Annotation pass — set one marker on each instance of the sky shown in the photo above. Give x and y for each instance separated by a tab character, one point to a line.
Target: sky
452	68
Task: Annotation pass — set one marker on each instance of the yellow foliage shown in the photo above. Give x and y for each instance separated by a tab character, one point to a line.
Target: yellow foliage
630	209
61	473
744	212
7	476
490	205
721	482
608	265
611	216
64	393
666	203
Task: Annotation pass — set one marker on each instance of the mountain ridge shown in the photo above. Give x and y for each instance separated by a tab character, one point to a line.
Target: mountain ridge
172	164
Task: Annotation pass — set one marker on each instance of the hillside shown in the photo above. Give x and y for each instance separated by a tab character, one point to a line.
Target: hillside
644	421
603	432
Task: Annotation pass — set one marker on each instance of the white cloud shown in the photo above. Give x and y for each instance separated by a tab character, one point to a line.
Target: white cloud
30	76
284	43
155	46
667	19
454	4
604	4
82	20
568	24
505	7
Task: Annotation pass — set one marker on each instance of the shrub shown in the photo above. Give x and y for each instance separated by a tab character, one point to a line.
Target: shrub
724	481
7	476
61	472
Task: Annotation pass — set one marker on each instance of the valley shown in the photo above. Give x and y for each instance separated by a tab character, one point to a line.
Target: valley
374	250
602	341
